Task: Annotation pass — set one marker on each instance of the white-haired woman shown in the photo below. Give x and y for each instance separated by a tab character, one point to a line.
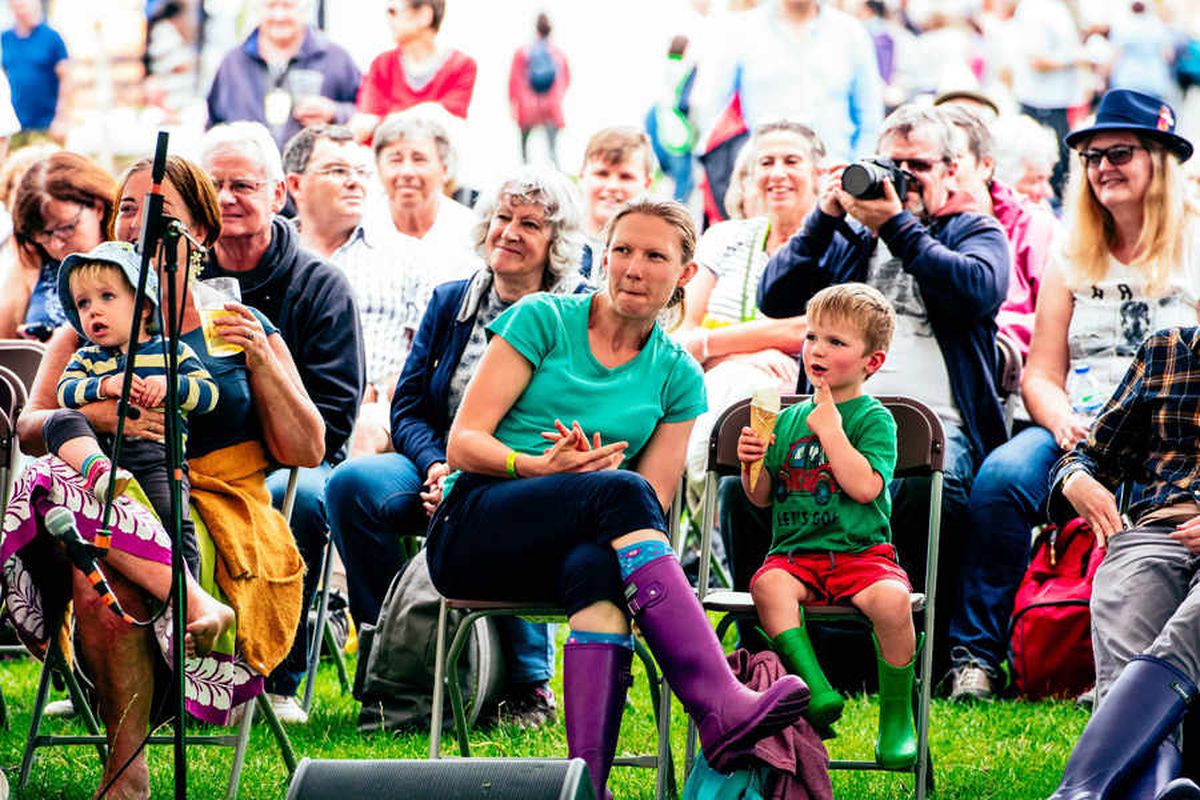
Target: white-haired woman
529	236
1025	154
415	158
1127	266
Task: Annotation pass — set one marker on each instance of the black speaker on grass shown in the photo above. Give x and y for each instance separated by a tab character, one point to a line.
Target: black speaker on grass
444	779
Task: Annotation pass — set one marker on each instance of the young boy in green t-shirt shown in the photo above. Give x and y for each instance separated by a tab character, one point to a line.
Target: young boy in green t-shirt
825	477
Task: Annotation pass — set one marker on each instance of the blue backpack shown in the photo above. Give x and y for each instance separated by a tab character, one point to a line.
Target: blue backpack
541	70
1187	63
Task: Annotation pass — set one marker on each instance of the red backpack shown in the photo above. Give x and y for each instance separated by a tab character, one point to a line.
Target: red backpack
1050	634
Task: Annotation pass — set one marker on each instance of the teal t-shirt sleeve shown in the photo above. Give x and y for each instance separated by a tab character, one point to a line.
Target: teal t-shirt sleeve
684	394
529	325
876	440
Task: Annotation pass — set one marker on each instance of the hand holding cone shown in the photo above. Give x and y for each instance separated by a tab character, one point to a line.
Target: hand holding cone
764	409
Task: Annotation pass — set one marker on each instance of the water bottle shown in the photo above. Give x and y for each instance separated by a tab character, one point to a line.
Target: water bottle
1086	400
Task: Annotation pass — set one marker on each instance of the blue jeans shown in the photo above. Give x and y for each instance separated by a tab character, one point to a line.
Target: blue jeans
1007	501
309	529
372	502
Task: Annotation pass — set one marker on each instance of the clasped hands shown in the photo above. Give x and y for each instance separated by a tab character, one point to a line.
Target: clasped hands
573	451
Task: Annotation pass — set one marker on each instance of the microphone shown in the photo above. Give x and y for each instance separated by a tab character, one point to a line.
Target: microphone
60	522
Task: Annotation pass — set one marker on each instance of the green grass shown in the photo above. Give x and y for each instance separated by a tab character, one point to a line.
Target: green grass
1004	750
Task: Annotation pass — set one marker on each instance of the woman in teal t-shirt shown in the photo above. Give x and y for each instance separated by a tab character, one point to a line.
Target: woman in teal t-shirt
575	515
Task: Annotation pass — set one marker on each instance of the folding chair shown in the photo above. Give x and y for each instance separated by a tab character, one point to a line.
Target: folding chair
1008	377
323	633
446	674
22	356
920	450
56	664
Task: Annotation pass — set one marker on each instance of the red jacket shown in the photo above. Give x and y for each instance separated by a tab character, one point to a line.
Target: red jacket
528	107
386	89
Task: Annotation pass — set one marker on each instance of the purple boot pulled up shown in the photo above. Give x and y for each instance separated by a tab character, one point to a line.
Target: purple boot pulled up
596	677
731	718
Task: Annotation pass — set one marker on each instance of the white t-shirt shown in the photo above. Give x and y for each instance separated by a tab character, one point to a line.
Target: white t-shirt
1048	31
1114	316
914	365
450	243
735	252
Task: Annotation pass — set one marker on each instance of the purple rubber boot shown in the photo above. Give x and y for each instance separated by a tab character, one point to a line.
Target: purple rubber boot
595	679
731	718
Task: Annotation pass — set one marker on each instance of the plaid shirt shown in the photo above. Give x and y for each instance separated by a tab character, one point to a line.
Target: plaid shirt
1149	432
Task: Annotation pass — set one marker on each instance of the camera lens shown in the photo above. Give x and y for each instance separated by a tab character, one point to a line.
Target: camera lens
864	180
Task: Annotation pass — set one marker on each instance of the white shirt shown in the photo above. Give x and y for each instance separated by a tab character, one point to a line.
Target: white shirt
450	243
1048	31
386	271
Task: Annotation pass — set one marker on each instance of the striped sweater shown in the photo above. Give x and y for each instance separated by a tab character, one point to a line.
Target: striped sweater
80	381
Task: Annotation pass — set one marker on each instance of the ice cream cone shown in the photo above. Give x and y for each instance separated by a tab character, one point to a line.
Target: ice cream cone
764	408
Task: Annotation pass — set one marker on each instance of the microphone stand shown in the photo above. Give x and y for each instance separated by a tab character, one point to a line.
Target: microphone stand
159	237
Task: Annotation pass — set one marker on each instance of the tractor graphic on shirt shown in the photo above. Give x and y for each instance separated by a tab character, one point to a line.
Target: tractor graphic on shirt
806	470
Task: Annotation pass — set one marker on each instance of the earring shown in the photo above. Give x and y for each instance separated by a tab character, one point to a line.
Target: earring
195	263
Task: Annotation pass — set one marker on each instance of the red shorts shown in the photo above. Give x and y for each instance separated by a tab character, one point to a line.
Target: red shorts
836	577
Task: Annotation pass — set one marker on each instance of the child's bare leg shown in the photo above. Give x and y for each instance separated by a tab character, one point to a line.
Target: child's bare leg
76	451
777	597
207	618
887	605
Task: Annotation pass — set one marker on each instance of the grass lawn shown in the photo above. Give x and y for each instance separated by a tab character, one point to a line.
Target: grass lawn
1010	750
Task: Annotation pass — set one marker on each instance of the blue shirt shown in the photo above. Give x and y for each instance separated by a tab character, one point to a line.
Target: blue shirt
30	63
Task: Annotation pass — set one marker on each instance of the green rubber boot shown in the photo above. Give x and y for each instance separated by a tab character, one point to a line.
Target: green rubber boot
896	743
796	652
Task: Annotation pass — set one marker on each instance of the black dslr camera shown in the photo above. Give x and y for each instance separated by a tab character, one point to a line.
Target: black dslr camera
864	180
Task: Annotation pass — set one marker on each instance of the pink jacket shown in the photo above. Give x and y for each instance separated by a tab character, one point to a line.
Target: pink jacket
528	107
1030	231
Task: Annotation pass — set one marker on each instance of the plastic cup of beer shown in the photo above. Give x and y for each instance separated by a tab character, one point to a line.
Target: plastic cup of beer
211	297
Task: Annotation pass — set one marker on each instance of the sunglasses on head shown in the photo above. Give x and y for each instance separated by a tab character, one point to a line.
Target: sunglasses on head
1117	155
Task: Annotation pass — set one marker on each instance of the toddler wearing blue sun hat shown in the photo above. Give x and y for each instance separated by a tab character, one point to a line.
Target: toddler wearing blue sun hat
97	293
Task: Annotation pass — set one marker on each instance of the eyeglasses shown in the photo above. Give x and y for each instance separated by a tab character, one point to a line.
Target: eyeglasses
916	164
1117	155
343	172
62	233
241	187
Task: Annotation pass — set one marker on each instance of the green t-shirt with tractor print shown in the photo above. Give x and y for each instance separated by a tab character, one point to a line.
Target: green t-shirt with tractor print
809	511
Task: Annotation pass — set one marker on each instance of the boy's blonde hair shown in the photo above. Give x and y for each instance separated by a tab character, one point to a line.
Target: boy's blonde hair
859	305
95	271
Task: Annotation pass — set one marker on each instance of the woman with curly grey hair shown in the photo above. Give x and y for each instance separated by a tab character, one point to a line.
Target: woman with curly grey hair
529	237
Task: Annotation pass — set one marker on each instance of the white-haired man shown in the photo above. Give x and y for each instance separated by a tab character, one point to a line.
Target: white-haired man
311	303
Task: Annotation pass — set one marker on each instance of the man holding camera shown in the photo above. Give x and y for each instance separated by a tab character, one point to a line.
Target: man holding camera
945	269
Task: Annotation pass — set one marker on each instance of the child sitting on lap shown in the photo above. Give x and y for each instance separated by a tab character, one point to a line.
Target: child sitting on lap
825	477
97	292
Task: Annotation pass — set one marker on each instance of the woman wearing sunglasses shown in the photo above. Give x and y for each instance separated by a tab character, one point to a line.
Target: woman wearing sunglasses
1127	265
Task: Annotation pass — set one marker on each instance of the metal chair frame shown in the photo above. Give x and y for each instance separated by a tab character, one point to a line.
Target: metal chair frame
239	741
22	356
323	633
920	452
446	675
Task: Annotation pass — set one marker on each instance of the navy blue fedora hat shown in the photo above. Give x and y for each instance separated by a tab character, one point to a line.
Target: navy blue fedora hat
1136	112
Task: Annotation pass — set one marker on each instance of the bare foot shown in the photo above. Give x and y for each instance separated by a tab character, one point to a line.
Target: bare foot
132	784
212	619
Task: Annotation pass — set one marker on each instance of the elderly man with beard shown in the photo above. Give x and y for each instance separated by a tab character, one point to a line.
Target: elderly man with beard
944	267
